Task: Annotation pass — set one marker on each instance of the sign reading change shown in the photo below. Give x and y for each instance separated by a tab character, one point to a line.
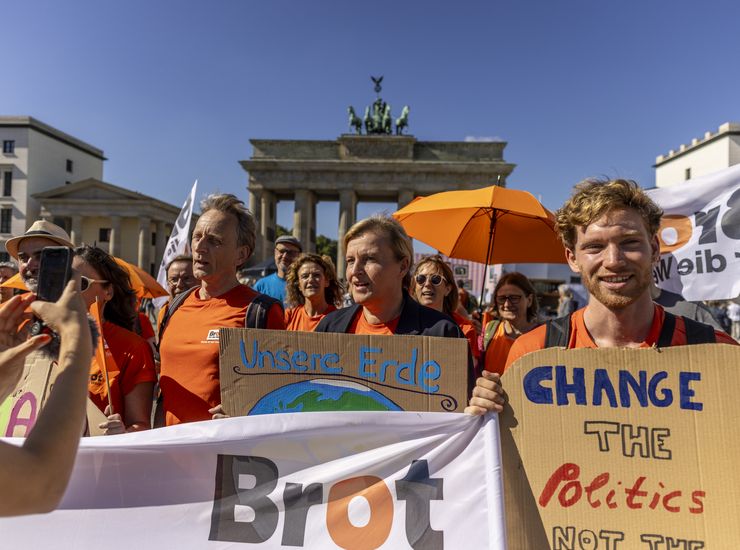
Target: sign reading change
274	371
623	448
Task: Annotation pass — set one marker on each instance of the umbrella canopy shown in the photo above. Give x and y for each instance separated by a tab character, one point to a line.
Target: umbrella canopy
492	225
143	284
14	282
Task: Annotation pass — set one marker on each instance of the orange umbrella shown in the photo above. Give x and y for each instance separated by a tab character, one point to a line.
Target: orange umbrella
15	282
492	225
143	284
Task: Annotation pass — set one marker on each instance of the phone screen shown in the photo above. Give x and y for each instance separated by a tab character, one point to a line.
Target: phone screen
55	270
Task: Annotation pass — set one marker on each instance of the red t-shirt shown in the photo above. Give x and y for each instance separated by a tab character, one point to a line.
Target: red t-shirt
580	337
129	362
147	331
297	319
189	351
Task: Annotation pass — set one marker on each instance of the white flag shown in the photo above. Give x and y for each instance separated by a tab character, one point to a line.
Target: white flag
179	241
700	236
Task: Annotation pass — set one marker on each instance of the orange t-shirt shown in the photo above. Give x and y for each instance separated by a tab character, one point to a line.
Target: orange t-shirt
146	326
297	319
189	377
580	337
160	316
129	362
360	325
470	333
498	350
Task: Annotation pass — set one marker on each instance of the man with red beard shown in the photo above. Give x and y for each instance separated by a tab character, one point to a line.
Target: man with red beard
609	229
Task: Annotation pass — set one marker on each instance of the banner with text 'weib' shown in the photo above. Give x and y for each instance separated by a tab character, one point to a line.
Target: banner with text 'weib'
700	236
360	480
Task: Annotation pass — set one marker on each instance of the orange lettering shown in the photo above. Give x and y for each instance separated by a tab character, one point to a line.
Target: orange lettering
379	498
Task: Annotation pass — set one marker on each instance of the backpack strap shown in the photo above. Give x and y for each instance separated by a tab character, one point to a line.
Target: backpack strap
696	332
490	330
171	308
258	310
557	332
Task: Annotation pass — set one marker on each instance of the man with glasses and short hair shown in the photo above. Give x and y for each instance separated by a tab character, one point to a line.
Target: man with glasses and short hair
287	249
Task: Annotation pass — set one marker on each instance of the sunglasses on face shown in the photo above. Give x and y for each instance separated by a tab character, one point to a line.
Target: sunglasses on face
85	282
435	279
514	299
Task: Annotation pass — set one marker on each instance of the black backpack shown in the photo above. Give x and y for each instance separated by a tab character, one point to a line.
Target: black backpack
557	333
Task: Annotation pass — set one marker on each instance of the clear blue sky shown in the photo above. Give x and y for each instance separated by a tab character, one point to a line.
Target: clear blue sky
173	90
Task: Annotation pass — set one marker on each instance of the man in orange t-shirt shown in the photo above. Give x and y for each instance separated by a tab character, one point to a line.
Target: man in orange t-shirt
223	240
609	229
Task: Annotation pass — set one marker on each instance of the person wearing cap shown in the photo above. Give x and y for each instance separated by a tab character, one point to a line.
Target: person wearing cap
287	249
27	248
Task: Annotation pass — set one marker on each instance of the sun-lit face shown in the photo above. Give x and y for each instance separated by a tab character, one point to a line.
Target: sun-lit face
312	281
512	303
216	252
285	255
102	291
427	293
615	255
374	274
180	277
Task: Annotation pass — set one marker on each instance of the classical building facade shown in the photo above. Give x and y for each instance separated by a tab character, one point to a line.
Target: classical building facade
354	168
714	151
125	223
34	158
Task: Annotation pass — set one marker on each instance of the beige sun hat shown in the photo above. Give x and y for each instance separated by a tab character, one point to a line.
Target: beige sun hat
43	229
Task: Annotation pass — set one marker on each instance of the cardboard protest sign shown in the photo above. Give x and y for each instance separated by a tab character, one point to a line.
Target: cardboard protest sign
19	411
268	371
623	448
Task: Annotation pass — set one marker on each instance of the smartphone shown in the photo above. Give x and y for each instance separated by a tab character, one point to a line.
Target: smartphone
55	270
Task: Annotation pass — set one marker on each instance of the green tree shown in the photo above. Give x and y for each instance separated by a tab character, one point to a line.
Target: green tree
283	231
327	246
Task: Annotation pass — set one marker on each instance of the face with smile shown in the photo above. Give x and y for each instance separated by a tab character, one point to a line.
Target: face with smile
216	252
285	253
428	294
374	274
512	303
614	255
312	281
102	291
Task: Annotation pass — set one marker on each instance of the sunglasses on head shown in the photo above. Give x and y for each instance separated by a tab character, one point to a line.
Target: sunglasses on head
435	279
85	282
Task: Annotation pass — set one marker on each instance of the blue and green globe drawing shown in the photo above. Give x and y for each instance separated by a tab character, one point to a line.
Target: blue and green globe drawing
323	395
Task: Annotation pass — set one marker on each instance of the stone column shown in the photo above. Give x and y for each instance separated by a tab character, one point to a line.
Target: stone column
347	217
161	243
114	246
304	219
255	207
145	243
405	196
267	222
76	232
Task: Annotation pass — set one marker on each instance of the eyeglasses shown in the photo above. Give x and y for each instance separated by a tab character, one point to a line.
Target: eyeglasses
514	299
85	282
435	279
287	252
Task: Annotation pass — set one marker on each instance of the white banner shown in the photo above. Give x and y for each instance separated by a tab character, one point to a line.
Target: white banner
179	241
358	480
700	236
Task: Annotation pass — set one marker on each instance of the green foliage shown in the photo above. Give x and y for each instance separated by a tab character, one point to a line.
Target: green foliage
283	231
327	246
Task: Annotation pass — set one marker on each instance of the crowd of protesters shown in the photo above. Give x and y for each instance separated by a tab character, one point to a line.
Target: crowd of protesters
608	229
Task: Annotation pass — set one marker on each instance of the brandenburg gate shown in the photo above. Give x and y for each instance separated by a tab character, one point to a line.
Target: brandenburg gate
375	167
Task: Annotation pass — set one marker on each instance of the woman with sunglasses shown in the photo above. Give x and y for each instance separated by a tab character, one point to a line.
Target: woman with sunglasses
433	285
516	305
129	366
311	284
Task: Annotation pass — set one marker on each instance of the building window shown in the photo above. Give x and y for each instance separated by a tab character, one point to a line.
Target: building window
687	173
9	146
6	216
154	238
104	234
8	184
70	166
